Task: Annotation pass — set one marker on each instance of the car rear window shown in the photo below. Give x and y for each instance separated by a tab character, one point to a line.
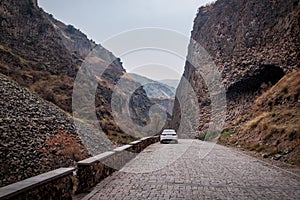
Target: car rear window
169	132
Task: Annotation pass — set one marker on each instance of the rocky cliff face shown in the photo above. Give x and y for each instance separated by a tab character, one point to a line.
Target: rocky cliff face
44	55
77	42
28	35
252	43
32	52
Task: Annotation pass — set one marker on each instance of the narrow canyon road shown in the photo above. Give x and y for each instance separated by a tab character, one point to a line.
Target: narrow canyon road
197	170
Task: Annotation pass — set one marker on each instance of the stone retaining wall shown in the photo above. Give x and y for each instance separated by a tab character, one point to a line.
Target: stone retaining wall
92	170
58	184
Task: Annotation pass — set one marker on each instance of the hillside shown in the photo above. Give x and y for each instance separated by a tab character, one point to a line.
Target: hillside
271	126
40	58
45	56
36	136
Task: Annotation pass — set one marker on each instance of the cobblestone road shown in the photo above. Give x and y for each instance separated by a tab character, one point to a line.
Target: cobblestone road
197	170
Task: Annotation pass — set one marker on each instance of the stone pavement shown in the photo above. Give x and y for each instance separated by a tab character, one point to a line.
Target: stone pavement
197	170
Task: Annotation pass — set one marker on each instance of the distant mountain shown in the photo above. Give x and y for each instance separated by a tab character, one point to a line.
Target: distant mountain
155	89
160	93
170	82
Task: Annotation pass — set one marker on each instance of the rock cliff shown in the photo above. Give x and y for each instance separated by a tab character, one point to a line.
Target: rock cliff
253	45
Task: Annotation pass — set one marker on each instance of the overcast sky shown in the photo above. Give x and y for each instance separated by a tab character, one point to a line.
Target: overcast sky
101	20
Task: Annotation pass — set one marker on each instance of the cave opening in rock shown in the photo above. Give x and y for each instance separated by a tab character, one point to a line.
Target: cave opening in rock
265	75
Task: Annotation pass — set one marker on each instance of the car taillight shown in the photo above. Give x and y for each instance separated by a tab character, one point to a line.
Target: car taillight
173	134
163	134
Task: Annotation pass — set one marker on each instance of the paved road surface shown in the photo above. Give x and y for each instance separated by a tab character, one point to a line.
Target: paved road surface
182	171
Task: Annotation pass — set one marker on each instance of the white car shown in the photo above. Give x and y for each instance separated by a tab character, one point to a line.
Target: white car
168	135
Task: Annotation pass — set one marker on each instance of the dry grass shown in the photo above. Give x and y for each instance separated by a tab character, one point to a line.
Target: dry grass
66	146
253	123
272	125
